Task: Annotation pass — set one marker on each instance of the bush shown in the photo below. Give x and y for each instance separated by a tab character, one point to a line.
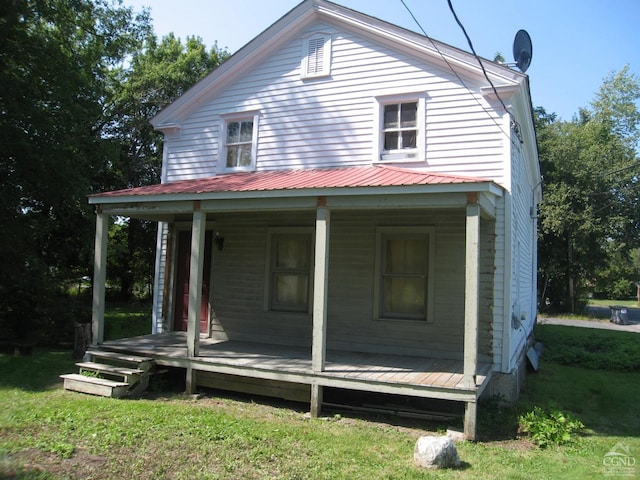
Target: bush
549	428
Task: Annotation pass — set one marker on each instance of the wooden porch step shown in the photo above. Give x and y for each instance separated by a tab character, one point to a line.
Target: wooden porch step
142	363
94	386
129	375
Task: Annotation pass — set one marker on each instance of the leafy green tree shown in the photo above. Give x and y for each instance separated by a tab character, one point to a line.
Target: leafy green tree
591	175
157	75
615	280
56	58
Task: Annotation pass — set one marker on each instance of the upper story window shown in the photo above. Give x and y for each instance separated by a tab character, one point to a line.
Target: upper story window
239	142
316	55
401	127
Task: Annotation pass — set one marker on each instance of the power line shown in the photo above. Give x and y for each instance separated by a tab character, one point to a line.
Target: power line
633	165
473	50
453	70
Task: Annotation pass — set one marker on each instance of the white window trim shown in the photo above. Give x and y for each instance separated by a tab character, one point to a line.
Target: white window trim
417	154
325	69
227	118
381	232
267	307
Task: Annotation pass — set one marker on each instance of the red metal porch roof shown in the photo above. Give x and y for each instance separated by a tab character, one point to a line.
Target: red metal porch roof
347	177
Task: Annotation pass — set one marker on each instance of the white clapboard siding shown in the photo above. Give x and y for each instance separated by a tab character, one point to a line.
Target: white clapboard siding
522	248
239	274
161	267
329	121
351	289
239	285
500	316
486	299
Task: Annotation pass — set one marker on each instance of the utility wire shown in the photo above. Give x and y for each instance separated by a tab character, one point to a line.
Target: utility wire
473	50
453	70
633	165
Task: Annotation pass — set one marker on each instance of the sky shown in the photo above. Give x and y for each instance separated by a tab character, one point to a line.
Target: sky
576	43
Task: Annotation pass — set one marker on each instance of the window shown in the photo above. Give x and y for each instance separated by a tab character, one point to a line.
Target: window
239	142
316	55
401	126
404	275
290	271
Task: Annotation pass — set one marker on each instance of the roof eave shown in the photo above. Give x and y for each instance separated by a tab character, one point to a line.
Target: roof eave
479	187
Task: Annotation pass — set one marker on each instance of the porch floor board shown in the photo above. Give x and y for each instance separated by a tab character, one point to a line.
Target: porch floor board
170	349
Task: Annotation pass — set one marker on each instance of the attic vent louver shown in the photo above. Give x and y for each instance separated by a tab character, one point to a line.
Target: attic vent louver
316	55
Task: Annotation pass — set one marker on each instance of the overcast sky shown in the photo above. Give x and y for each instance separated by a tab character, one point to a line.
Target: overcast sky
576	43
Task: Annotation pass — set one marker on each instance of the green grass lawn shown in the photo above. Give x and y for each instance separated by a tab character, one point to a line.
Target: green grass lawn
47	433
127	320
583	347
596	302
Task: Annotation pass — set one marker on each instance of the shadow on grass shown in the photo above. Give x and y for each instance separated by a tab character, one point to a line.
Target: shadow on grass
603	400
124	320
36	372
591	374
12	469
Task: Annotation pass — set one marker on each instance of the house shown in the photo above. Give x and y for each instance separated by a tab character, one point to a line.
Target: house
344	204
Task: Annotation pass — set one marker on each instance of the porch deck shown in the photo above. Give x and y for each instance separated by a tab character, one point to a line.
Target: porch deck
382	373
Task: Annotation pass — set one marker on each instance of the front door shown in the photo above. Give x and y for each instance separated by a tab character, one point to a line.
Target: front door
182	282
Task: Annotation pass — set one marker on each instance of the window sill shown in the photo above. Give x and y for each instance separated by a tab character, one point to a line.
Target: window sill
285	313
405	321
236	170
398	157
315	76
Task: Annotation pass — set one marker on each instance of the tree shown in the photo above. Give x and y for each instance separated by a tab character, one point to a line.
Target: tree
590	172
615	280
56	58
157	75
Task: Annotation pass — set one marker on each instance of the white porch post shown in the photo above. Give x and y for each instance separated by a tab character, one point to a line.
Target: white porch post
99	276
320	284
196	269
471	295
471	311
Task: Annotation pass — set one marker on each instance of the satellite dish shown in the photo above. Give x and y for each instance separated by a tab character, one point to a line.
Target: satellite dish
522	50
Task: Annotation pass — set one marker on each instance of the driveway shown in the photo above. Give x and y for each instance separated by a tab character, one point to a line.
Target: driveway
633	320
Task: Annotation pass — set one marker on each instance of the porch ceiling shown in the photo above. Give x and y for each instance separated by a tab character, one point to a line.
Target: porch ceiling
378	186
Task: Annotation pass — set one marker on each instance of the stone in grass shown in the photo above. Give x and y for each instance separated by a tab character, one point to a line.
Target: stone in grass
436	452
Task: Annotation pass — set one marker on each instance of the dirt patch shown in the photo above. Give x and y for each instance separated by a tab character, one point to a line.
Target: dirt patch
34	462
518	444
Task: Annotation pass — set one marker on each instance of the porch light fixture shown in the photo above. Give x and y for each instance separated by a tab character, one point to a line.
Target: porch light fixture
219	241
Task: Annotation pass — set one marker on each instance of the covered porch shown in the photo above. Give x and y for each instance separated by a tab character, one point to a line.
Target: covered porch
373	372
318	361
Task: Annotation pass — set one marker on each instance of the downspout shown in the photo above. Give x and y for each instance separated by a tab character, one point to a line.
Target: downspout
534	251
508	251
